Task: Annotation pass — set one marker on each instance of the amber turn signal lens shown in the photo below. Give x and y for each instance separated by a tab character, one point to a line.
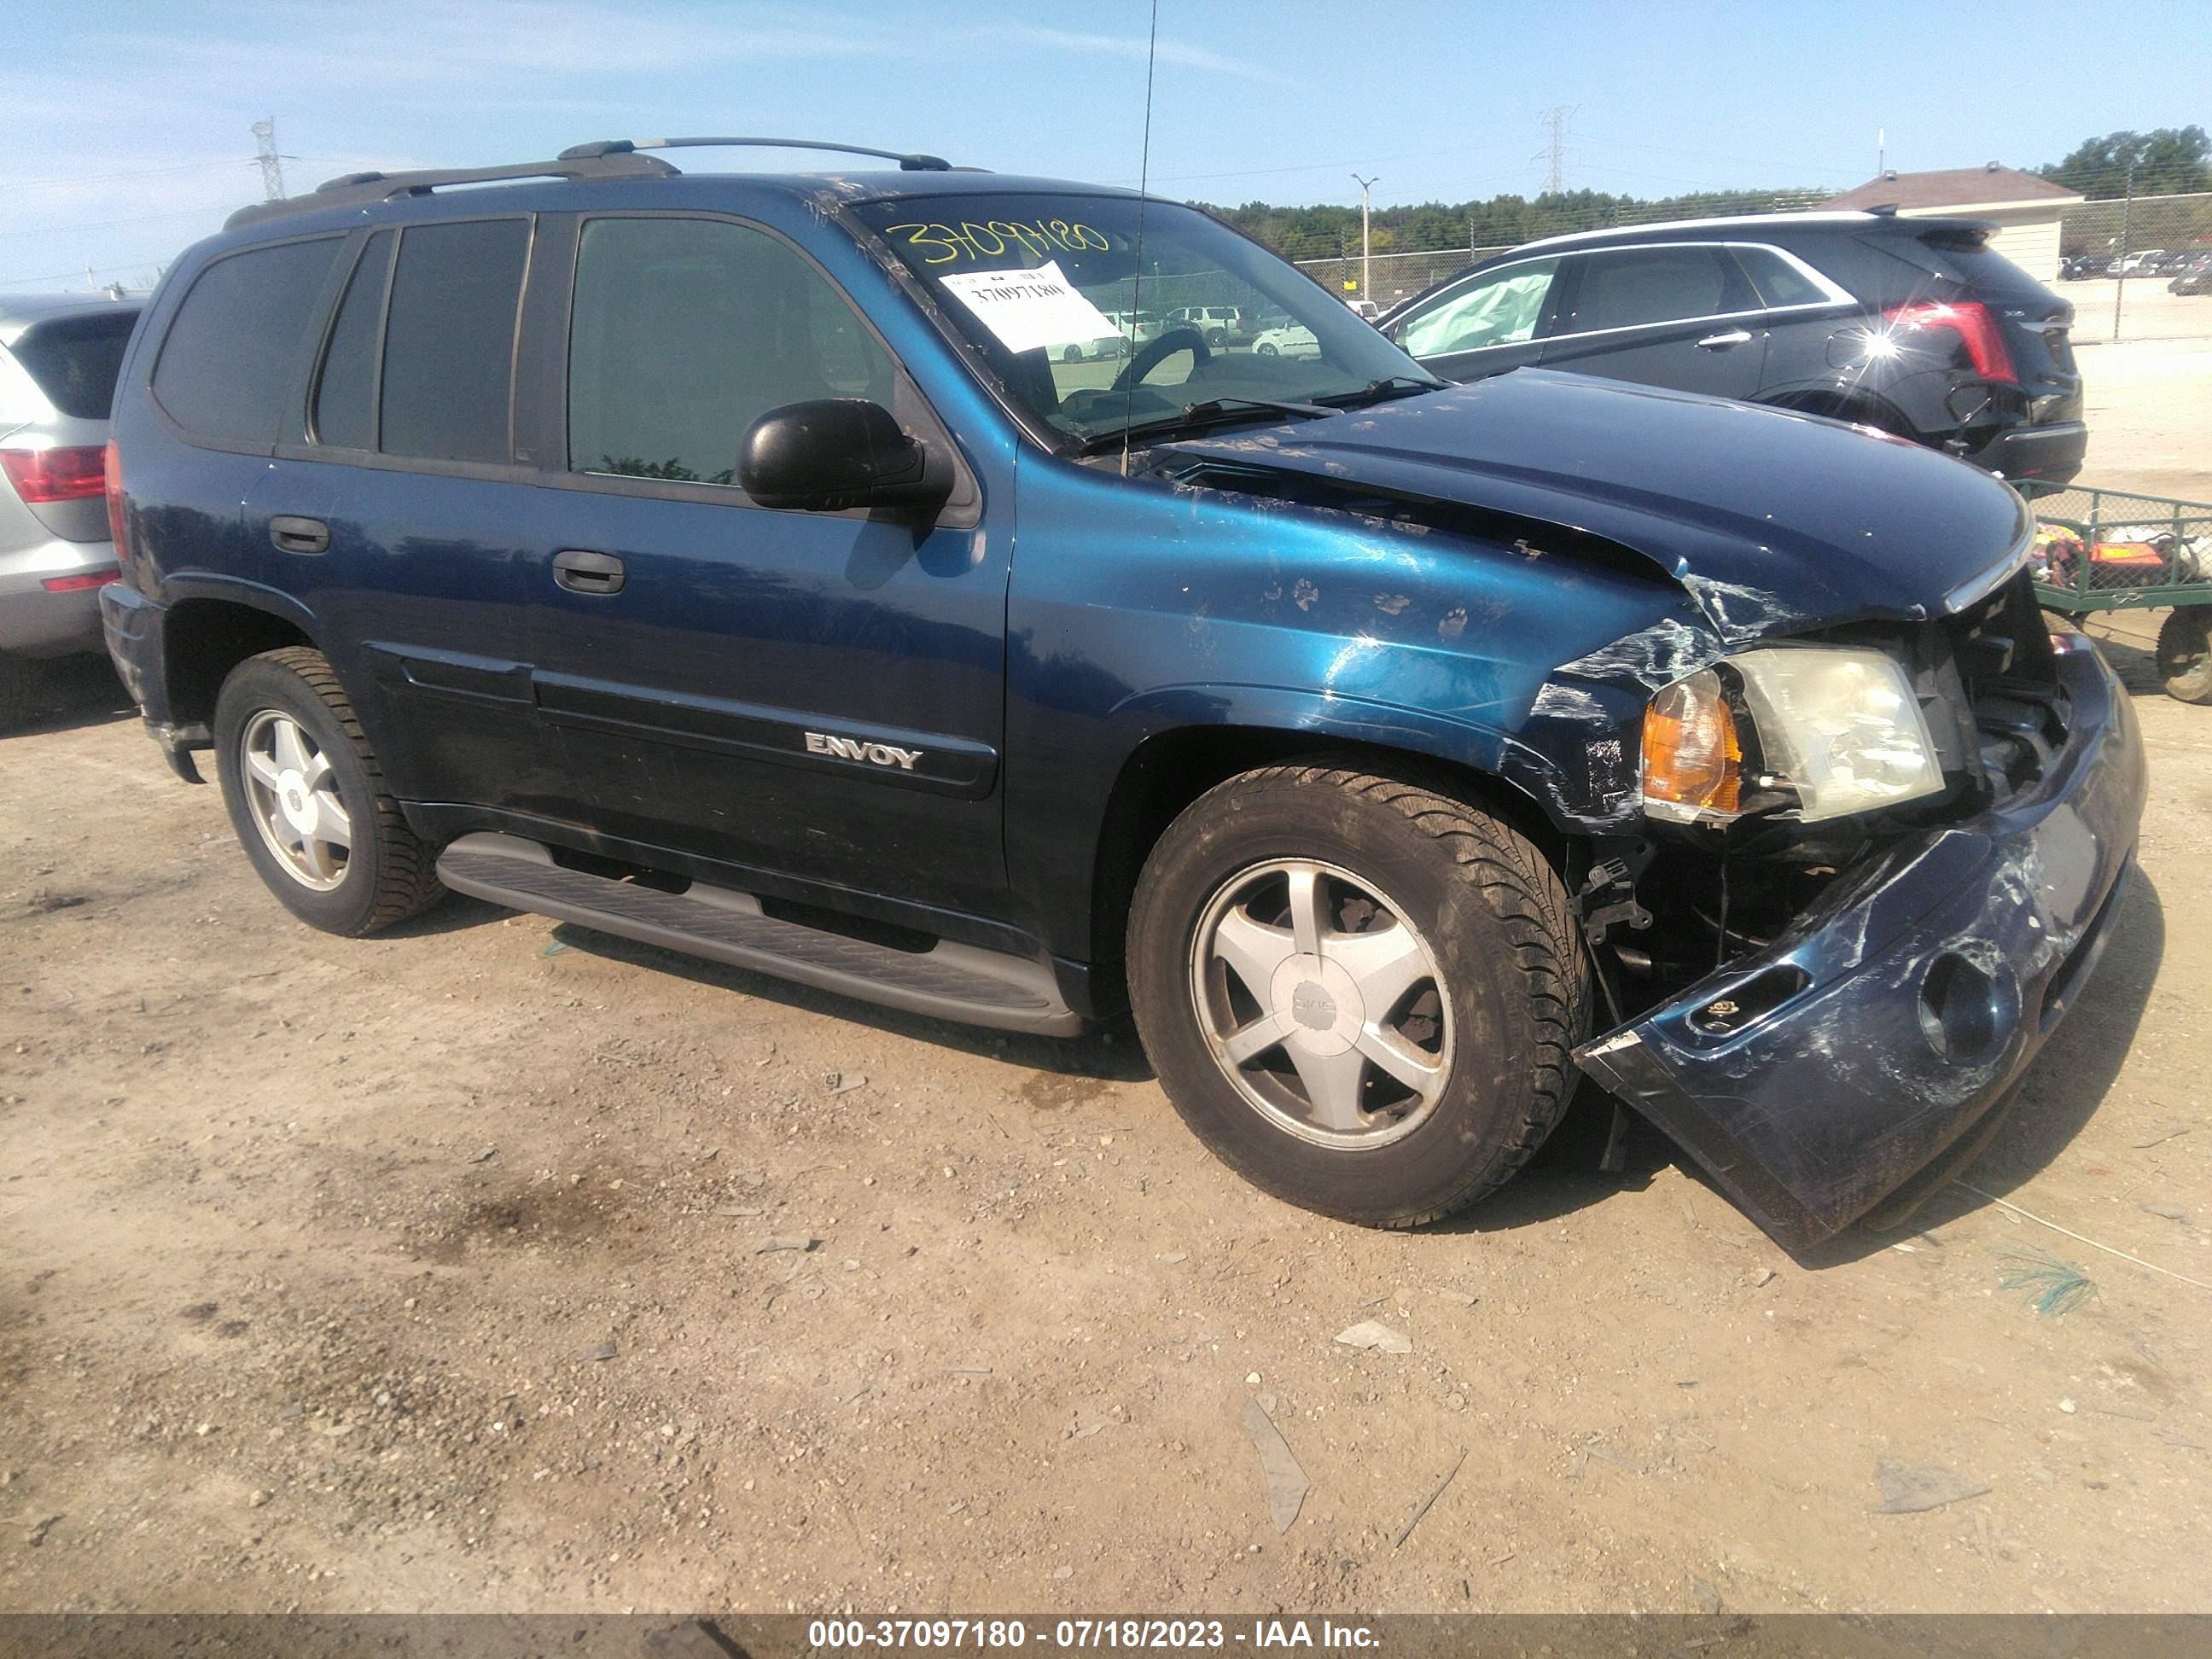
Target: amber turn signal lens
1692	761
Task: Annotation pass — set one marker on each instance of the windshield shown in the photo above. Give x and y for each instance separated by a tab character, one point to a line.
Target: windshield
1097	336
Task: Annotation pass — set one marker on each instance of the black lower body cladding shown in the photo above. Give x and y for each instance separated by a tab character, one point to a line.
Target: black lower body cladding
1816	1077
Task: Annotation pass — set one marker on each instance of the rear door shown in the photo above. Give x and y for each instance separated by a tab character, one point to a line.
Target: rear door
1486	324
815	695
390	511
1679	314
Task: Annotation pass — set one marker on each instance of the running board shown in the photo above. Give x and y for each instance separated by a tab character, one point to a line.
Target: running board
948	981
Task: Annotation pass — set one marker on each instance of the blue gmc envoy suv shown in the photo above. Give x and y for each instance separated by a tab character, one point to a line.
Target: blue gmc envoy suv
781	568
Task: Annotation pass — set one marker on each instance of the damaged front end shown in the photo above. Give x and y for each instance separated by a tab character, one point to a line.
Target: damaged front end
1836	989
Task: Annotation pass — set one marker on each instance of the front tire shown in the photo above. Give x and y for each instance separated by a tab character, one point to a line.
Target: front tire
308	801
1360	994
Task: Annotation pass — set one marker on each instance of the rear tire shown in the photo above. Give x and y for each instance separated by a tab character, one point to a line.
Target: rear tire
308	801
2184	653
1441	942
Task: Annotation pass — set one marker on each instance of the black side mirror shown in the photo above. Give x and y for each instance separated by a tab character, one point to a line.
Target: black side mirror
832	454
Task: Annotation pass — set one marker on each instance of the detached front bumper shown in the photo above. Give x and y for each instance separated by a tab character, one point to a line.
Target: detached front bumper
1814	1080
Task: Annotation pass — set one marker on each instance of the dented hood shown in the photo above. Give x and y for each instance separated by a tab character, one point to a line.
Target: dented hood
1774	522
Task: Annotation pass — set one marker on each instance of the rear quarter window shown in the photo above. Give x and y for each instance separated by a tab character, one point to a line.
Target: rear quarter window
75	361
449	340
1934	261
226	365
1987	272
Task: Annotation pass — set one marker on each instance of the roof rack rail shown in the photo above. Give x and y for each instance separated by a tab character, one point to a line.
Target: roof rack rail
607	147
361	189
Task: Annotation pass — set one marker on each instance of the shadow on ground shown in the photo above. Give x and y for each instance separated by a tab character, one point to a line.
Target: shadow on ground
75	692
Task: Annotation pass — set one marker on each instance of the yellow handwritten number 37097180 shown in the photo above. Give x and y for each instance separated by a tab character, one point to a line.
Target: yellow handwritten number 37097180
1040	239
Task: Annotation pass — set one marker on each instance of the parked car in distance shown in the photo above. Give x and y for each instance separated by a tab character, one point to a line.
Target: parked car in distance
2196	277
1136	328
1915	328
1218	326
1286	340
1102	346
721	561
58	358
1366	310
2082	267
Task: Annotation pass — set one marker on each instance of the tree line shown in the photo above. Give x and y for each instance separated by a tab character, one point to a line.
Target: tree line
2168	160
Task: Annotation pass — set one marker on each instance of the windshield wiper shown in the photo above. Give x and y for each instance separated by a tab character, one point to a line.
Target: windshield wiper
1376	392
1210	411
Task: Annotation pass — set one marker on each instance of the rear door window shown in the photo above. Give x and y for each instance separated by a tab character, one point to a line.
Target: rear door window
449	340
1502	307
225	369
75	359
1633	287
1779	282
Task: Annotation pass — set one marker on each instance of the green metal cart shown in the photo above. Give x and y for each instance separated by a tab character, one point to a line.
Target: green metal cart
2114	549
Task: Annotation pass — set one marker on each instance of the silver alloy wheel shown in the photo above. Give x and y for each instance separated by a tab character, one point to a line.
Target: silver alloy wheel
1321	1003
293	794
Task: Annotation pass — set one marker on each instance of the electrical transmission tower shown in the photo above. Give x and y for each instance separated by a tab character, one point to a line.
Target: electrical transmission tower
1555	121
272	164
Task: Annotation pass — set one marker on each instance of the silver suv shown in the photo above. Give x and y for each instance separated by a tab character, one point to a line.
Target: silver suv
58	358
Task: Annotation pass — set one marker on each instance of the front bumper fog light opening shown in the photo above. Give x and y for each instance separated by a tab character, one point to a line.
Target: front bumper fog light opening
1965	1011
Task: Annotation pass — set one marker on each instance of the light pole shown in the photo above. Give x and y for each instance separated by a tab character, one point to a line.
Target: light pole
1366	251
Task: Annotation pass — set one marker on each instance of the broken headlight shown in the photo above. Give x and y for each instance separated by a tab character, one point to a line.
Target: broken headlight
1808	733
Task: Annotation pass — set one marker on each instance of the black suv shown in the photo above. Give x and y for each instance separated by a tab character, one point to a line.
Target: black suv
744	563
1912	326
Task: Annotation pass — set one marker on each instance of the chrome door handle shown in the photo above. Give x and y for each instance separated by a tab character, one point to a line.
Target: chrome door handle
1734	336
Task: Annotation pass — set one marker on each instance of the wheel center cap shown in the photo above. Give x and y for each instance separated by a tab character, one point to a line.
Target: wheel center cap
1318	1003
1312	1006
299	806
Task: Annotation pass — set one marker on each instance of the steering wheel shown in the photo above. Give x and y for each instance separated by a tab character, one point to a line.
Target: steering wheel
1150	357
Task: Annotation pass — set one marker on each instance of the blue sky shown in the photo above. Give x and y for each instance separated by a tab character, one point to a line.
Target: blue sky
124	127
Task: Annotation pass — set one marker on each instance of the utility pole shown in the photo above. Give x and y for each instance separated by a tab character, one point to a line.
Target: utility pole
1880	151
1366	247
272	165
1556	120
2127	212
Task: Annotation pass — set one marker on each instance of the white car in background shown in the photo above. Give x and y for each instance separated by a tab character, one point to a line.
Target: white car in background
1136	327
1291	340
1082	352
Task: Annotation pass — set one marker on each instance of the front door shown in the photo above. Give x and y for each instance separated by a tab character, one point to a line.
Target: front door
818	694
1671	315
1493	321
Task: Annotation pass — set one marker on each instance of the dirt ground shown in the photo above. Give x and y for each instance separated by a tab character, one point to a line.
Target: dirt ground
445	1270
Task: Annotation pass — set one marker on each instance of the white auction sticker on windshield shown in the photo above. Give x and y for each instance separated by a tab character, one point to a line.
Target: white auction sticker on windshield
1027	309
